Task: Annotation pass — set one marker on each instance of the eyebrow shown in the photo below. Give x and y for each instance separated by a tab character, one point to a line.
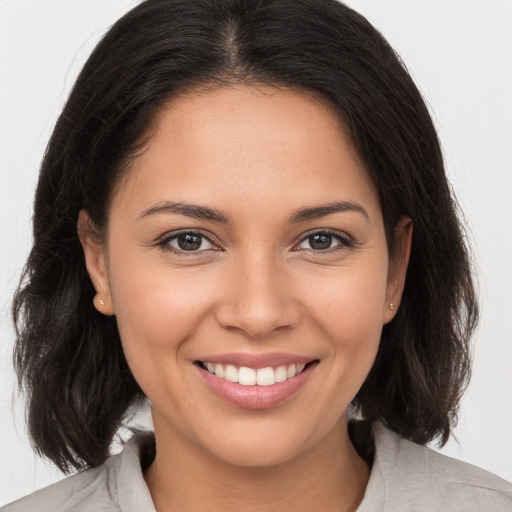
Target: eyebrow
204	213
321	211
189	210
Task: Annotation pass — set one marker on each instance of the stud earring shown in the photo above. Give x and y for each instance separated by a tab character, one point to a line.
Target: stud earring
391	306
102	302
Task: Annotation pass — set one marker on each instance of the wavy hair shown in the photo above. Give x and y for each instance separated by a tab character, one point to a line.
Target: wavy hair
69	358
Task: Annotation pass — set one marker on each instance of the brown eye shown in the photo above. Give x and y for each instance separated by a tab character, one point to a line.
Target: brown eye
187	242
324	241
320	242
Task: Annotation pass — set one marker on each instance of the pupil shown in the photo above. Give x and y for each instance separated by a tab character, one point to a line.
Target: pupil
189	242
319	242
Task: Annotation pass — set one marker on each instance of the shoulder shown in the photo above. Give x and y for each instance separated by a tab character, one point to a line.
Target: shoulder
84	492
408	476
116	485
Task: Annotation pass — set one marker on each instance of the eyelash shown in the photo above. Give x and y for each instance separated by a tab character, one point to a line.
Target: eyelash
345	241
164	243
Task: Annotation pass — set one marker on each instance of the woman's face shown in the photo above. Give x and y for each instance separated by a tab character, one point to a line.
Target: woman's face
249	239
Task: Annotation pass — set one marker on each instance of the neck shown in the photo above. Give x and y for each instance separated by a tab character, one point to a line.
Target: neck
330	476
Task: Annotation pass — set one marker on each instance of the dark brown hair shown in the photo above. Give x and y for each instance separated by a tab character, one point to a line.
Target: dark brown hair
69	357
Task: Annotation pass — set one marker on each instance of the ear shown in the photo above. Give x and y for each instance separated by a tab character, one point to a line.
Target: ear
95	261
398	262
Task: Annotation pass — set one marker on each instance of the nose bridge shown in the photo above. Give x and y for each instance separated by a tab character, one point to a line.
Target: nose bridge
258	301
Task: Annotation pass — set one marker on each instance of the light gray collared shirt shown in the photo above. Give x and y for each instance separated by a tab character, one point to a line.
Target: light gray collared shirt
405	477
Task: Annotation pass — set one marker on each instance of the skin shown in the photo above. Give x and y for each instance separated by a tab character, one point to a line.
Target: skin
258	155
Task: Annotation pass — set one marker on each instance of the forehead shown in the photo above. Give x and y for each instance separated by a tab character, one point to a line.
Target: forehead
251	144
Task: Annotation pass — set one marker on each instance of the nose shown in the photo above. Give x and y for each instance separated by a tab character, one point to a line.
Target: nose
258	298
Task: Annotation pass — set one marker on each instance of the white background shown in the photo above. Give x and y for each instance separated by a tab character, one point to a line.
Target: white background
460	54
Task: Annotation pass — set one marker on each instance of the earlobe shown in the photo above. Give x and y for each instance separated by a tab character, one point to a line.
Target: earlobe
398	263
95	261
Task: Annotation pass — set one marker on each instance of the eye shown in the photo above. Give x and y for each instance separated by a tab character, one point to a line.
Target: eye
187	241
323	241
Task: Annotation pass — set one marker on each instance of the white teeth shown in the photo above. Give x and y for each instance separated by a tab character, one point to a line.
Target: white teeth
247	376
265	377
219	370
251	377
231	373
281	374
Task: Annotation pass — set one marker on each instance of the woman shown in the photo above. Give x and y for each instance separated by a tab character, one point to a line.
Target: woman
243	217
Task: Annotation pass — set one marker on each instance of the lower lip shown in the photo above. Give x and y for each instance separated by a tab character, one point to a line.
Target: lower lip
255	397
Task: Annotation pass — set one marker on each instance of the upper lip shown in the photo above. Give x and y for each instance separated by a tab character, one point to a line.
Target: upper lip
256	360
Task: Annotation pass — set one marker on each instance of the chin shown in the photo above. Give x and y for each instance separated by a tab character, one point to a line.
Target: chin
264	443
256	455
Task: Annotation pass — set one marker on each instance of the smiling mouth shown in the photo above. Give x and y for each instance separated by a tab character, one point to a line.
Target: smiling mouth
246	376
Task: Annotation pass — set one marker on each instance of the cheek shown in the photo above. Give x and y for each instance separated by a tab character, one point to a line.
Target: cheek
156	310
348	304
348	314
